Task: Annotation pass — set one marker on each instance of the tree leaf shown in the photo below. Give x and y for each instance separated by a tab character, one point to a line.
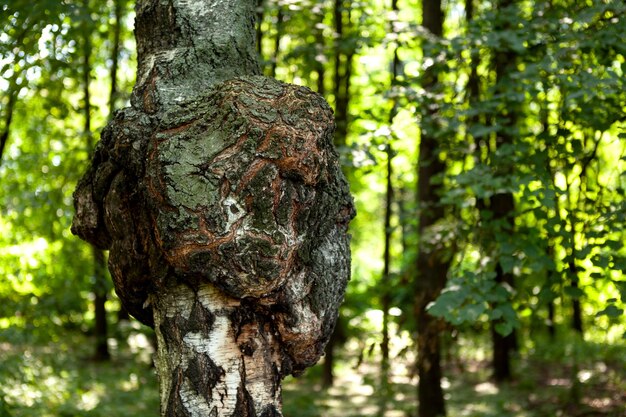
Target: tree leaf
504	329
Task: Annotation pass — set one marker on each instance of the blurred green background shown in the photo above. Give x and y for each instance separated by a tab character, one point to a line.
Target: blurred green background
522	104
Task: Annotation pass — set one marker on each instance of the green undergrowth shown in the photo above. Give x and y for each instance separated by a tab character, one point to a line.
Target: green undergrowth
560	378
58	379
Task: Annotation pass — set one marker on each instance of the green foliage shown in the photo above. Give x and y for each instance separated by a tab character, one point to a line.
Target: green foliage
472	297
48	273
556	151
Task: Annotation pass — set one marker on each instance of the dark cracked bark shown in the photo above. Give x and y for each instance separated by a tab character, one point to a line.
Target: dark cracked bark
220	197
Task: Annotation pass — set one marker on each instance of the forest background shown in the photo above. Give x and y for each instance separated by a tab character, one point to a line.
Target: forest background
485	146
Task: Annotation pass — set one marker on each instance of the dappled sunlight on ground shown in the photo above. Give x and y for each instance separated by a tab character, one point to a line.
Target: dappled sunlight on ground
131	384
486	388
59	380
89	400
538	390
559	382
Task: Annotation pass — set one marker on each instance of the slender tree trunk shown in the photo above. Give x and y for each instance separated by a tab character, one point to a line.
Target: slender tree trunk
503	205
320	51
552	275
328	372
100	292
551	318
385	282
336	339
118	9
342	72
224	208
432	268
338	11
343	105
260	12
551	280
13	93
577	315
473	96
386	285
473	83
99	267
570	273
8	118
280	18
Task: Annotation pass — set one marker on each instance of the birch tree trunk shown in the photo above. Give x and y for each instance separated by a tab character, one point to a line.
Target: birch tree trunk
222	202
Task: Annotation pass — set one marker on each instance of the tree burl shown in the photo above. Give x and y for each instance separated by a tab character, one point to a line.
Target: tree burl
241	190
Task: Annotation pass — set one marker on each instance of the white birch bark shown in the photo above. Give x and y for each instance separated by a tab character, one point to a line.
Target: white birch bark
239	353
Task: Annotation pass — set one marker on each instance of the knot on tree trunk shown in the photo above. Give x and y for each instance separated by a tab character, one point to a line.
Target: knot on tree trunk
240	189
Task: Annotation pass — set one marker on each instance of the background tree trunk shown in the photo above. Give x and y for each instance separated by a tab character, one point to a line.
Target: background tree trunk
385	281
100	287
328	372
432	268
503	205
8	108
260	13
342	71
320	44
118	10
280	19
8	116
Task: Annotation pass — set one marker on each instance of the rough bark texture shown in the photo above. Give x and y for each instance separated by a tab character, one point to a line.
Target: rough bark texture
221	200
184	46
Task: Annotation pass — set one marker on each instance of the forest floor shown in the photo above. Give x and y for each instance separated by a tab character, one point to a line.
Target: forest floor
57	379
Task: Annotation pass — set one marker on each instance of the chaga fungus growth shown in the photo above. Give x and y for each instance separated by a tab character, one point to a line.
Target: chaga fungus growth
237	200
